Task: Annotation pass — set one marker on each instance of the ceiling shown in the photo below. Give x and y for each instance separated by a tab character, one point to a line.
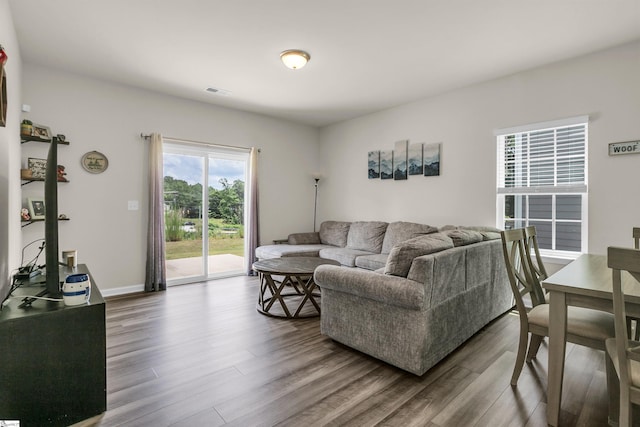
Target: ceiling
366	55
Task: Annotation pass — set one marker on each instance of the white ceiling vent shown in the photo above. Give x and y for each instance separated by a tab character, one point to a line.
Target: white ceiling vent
218	91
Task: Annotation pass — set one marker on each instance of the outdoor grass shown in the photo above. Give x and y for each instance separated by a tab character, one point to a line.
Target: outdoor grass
193	248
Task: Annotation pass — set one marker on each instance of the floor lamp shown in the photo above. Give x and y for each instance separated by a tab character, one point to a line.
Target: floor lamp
315	203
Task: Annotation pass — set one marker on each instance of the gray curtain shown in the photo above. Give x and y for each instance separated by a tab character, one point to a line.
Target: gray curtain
252	216
156	272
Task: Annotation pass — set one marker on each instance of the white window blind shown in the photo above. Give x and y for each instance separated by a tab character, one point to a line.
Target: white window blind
542	181
540	159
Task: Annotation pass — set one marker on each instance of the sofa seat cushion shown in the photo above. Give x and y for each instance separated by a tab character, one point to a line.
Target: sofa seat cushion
400	231
372	262
334	233
279	251
344	256
366	236
403	254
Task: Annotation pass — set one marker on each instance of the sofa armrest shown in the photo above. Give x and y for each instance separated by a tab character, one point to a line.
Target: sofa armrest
387	289
310	238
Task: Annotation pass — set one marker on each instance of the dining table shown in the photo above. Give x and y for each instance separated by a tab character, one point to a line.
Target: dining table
584	282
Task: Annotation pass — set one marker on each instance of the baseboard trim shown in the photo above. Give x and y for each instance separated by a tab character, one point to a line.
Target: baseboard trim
123	290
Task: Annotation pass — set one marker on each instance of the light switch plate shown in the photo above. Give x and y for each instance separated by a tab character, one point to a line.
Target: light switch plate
133	205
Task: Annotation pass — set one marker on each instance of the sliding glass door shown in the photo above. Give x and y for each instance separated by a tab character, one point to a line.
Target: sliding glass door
204	193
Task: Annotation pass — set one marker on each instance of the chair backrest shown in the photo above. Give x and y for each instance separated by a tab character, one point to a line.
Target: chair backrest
619	260
519	271
537	266
636	237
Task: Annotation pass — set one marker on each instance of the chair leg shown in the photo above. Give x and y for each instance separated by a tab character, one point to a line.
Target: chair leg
613	388
534	345
522	351
625	408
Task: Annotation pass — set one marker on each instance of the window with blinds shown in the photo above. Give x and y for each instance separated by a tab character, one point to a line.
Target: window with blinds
542	181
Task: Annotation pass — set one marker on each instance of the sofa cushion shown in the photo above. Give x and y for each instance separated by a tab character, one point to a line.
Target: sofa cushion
366	236
372	262
463	237
402	255
400	231
334	233
344	256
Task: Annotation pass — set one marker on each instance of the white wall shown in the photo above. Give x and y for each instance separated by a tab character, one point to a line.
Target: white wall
605	86
95	115
10	238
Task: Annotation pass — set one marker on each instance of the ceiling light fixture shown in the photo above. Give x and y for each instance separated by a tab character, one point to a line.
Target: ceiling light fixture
218	91
294	58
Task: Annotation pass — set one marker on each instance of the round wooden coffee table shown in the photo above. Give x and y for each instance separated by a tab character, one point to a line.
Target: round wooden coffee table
293	291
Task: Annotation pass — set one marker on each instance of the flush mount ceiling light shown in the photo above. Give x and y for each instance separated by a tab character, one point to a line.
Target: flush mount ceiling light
218	91
294	58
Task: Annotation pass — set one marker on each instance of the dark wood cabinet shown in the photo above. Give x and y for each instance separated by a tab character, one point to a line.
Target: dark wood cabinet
52	359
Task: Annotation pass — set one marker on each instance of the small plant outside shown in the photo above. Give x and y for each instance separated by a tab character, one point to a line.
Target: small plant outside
183	225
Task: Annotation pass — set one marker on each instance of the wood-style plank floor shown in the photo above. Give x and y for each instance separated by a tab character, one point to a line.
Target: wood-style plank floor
201	355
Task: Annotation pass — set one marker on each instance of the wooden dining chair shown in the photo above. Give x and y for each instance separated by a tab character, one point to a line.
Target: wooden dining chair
633	324
584	326
624	353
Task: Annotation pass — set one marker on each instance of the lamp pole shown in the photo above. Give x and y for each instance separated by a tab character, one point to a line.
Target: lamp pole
315	205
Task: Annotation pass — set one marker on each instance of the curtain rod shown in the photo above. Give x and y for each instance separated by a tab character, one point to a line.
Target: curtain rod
208	144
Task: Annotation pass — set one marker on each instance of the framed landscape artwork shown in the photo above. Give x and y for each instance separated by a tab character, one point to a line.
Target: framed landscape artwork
404	160
386	164
400	160
432	159
414	162
374	164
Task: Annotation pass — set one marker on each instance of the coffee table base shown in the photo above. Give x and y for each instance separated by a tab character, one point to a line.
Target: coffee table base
300	302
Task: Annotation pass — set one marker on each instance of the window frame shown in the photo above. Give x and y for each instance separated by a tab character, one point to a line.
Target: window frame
502	191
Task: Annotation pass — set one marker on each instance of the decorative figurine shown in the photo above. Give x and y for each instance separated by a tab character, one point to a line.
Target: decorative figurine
24	213
3	56
61	174
26	128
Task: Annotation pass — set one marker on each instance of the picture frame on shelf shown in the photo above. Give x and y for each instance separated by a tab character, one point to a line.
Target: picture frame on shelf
42	132
36	207
38	167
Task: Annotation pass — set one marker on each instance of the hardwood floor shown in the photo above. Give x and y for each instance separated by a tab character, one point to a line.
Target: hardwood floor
201	355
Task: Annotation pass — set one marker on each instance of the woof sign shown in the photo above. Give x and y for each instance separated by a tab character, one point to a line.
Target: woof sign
629	147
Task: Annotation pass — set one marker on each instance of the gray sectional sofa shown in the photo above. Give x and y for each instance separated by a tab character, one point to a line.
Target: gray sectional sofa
413	292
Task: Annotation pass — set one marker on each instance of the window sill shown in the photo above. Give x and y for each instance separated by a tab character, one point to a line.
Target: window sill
561	259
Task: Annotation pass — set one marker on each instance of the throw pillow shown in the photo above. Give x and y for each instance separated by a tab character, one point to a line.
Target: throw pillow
488	233
462	237
481	228
400	231
402	255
